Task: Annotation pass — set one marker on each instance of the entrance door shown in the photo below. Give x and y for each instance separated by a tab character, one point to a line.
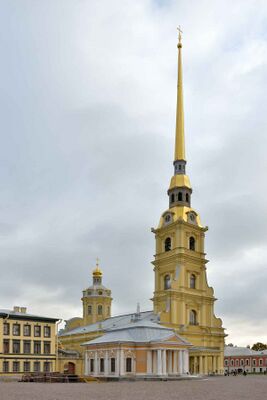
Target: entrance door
71	368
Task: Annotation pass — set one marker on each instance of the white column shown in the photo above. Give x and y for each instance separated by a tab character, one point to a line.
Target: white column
122	362
159	362
96	364
170	353
154	362
164	362
185	361
86	363
175	359
117	363
149	362
213	364
201	365
106	372
180	362
206	365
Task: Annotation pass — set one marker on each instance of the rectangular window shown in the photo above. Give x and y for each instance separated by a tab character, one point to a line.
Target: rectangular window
27	347
92	365
16	346
27	330
247	361
47	366
47	347
128	364
6	328
16	330
253	361
37	331
89	310
5	366
26	366
47	331
112	364
15	366
6	346
101	364
37	347
260	362
36	366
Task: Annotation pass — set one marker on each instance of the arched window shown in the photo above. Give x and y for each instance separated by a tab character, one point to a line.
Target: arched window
167	282
172	198
187	197
180	196
193	317
167	218
192	243
192	281
89	310
100	310
168	244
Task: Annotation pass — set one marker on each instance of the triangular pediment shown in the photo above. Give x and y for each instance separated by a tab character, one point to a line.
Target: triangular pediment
176	339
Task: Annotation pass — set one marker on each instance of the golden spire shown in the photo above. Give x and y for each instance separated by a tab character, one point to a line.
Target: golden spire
97	271
179	137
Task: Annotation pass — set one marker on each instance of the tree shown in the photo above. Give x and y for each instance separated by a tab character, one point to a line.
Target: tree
259	346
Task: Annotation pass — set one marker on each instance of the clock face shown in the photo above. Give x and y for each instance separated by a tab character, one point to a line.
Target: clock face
192	217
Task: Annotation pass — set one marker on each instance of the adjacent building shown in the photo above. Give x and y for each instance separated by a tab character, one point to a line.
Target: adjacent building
27	342
242	359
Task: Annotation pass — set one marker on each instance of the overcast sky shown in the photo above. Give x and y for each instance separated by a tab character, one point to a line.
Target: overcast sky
88	93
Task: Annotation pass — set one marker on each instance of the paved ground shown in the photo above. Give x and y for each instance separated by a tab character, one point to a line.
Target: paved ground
220	388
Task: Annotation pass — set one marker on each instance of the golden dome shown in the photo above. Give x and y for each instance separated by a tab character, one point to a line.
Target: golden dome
97	271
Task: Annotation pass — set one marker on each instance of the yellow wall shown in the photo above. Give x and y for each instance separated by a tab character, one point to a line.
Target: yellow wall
21	357
174	304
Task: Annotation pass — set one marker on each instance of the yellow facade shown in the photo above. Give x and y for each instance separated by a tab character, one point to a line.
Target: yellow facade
182	296
27	342
96	301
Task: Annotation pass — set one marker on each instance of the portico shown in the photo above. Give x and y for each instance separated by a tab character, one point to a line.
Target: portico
137	350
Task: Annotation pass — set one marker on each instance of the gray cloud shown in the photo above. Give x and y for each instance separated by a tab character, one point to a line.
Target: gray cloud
87	101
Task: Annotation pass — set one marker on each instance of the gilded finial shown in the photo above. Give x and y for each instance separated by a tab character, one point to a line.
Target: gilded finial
179	45
97	271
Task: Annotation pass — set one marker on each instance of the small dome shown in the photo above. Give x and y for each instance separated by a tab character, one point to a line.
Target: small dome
97	271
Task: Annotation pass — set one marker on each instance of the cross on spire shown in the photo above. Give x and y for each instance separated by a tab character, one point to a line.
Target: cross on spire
179	34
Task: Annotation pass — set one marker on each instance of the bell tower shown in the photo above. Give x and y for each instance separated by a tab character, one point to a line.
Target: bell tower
96	299
182	296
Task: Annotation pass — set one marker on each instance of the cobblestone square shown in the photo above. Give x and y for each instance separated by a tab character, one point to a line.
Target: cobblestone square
213	388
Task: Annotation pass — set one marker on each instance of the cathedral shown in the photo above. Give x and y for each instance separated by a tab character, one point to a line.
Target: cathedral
187	336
